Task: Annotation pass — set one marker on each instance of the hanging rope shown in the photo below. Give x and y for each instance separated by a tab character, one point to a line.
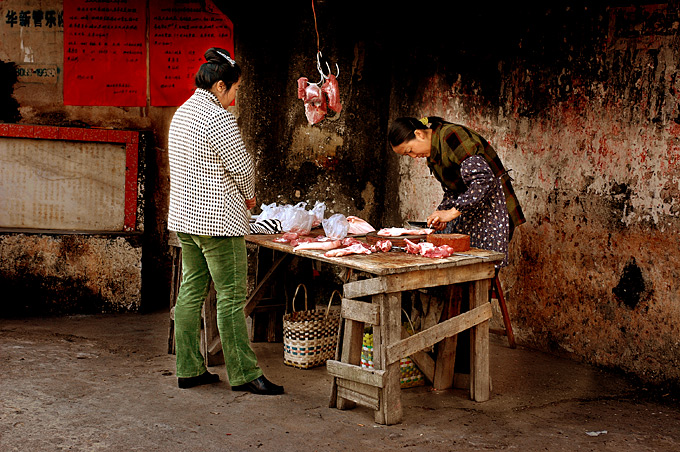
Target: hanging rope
318	96
319	55
318	44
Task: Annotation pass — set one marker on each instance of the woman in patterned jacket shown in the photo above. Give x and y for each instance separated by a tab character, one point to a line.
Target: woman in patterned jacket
211	190
478	196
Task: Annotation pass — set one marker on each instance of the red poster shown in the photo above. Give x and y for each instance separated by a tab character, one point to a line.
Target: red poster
105	52
179	35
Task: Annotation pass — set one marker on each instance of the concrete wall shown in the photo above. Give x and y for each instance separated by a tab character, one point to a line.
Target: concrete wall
582	104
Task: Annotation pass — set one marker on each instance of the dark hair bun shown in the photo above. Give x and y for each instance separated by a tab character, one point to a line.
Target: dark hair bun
219	65
218	56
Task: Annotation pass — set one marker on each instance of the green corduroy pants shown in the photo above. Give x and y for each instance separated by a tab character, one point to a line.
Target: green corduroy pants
224	259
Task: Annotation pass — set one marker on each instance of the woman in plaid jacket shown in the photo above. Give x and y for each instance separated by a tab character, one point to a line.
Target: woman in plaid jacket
212	189
478	196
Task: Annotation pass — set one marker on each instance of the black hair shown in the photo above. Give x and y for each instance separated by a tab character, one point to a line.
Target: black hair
218	66
403	129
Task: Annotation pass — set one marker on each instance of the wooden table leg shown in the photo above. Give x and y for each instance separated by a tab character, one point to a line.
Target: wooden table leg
446	349
387	333
351	353
480	383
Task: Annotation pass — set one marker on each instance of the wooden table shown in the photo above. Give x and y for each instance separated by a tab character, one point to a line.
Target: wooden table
386	276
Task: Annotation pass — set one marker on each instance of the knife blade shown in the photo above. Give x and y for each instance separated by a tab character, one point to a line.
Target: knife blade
470	255
403	248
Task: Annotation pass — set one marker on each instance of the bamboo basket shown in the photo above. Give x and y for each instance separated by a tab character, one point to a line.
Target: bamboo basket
310	337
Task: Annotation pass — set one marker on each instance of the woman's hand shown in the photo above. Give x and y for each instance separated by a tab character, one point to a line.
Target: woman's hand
250	203
438	219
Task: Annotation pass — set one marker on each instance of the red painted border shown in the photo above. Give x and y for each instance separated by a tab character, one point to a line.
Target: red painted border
129	138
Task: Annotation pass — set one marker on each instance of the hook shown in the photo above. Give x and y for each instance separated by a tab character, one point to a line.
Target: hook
318	67
319	57
337	68
324	77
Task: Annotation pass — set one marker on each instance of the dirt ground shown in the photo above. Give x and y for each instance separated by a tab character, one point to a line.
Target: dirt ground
106	383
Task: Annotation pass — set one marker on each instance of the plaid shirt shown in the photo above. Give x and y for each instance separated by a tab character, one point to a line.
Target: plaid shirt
453	143
211	173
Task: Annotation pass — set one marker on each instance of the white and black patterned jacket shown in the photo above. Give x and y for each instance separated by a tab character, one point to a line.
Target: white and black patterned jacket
211	173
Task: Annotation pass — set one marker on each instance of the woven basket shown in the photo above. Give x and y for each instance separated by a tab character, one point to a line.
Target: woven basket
310	336
409	374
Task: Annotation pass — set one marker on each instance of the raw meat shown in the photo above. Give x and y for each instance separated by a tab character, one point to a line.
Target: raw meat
287	237
439	251
358	226
331	89
413	248
294	239
396	232
319	245
382	245
314	99
357	248
347	241
428	249
302	87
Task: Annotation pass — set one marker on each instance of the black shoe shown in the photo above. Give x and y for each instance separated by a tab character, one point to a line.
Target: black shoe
260	386
203	379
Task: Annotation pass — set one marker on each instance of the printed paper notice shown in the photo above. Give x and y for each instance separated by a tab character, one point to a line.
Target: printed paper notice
179	36
105	52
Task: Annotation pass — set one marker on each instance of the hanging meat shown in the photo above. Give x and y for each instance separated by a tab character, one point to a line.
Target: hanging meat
330	87
317	97
313	97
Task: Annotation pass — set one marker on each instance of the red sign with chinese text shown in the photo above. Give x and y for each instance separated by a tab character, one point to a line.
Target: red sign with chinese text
105	52
180	33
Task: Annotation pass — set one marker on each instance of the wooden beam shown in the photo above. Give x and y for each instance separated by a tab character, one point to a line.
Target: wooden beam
352	340
434	334
355	386
370	377
360	311
480	382
355	397
333	399
365	287
390	411
258	292
422	360
446	349
419	279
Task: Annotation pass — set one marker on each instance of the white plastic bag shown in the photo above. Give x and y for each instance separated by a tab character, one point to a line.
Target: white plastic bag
296	219
271	211
318	211
336	226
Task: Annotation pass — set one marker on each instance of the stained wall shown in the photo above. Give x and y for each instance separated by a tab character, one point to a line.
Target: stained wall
579	99
581	102
45	273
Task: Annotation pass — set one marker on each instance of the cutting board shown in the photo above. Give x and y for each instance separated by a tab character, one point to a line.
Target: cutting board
459	242
373	237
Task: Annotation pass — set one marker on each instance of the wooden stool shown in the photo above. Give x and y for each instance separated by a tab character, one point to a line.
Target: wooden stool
497	293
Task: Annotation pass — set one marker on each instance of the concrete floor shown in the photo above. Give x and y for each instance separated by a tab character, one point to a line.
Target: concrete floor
106	383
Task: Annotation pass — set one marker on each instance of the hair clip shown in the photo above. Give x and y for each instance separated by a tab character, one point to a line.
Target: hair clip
232	62
424	120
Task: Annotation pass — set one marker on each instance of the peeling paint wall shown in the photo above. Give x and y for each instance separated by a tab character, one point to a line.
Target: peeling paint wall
586	116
